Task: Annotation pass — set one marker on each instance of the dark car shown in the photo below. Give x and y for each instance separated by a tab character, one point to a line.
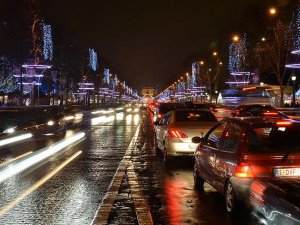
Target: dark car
276	201
238	150
163	108
258	110
38	120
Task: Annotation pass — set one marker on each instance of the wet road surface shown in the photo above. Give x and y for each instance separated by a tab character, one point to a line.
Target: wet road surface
82	175
112	176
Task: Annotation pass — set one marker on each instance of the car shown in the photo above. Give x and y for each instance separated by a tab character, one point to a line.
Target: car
164	107
203	106
37	120
238	150
276	201
257	110
174	132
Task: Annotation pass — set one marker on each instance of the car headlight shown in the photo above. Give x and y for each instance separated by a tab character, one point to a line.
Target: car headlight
50	123
9	130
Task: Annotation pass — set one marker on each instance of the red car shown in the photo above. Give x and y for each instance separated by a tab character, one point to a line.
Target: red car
239	150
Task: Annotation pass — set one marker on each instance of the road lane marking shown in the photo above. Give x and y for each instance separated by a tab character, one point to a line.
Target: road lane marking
35	186
141	207
14	159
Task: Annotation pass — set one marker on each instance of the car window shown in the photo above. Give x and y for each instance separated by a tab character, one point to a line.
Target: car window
194	115
274	139
166	119
231	138
214	137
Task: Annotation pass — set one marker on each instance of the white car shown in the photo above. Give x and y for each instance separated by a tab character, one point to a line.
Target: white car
174	132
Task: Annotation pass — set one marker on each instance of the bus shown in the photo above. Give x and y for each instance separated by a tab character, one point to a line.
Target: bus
249	95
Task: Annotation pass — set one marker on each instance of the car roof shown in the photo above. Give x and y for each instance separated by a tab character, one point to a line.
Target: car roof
192	109
256	121
255	105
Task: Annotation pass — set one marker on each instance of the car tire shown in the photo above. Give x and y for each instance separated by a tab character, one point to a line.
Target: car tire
198	181
166	157
230	199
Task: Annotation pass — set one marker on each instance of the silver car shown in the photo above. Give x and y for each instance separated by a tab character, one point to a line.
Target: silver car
176	129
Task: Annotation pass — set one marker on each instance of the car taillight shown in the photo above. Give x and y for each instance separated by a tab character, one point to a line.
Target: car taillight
243	170
270	113
176	134
283	123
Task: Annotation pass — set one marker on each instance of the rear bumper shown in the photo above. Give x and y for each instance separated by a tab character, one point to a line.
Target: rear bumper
181	148
242	188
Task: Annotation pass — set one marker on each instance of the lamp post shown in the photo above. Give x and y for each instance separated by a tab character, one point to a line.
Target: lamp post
293	77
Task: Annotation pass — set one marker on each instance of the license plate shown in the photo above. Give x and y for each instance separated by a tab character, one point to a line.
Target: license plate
287	172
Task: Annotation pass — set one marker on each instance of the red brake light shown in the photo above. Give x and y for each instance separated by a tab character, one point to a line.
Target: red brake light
243	170
283	123
176	134
270	113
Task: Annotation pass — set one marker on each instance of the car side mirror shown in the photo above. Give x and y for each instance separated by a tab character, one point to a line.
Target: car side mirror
197	140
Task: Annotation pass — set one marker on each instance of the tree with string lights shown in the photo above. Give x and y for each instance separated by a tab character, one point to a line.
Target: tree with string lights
8	82
276	51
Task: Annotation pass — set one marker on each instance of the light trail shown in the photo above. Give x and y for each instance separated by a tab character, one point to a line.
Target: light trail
14	159
11	140
38	156
35	186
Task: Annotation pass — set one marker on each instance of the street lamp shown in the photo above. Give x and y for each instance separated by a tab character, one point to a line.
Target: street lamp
201	62
215	53
293	77
263	39
272	11
235	38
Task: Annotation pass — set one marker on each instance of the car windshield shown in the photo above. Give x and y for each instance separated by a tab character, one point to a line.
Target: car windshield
194	115
274	139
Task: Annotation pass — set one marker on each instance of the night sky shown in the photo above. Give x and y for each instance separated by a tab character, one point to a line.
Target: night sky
145	41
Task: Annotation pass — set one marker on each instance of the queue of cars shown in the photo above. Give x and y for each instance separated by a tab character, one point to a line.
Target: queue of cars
250	157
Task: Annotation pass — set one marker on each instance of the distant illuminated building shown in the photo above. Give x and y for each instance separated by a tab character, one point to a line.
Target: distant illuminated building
147	93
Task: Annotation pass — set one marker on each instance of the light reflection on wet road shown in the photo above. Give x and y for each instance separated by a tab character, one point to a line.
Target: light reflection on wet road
85	171
73	195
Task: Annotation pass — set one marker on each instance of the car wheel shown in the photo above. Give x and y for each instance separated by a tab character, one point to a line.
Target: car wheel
198	181
230	198
166	157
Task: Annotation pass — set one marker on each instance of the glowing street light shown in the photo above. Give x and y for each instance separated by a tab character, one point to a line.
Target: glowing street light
235	38
263	39
215	53
201	62
272	11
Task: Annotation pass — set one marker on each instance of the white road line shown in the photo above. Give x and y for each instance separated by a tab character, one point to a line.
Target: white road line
142	209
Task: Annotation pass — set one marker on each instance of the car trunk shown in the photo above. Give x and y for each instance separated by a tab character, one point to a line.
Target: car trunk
274	165
192	129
